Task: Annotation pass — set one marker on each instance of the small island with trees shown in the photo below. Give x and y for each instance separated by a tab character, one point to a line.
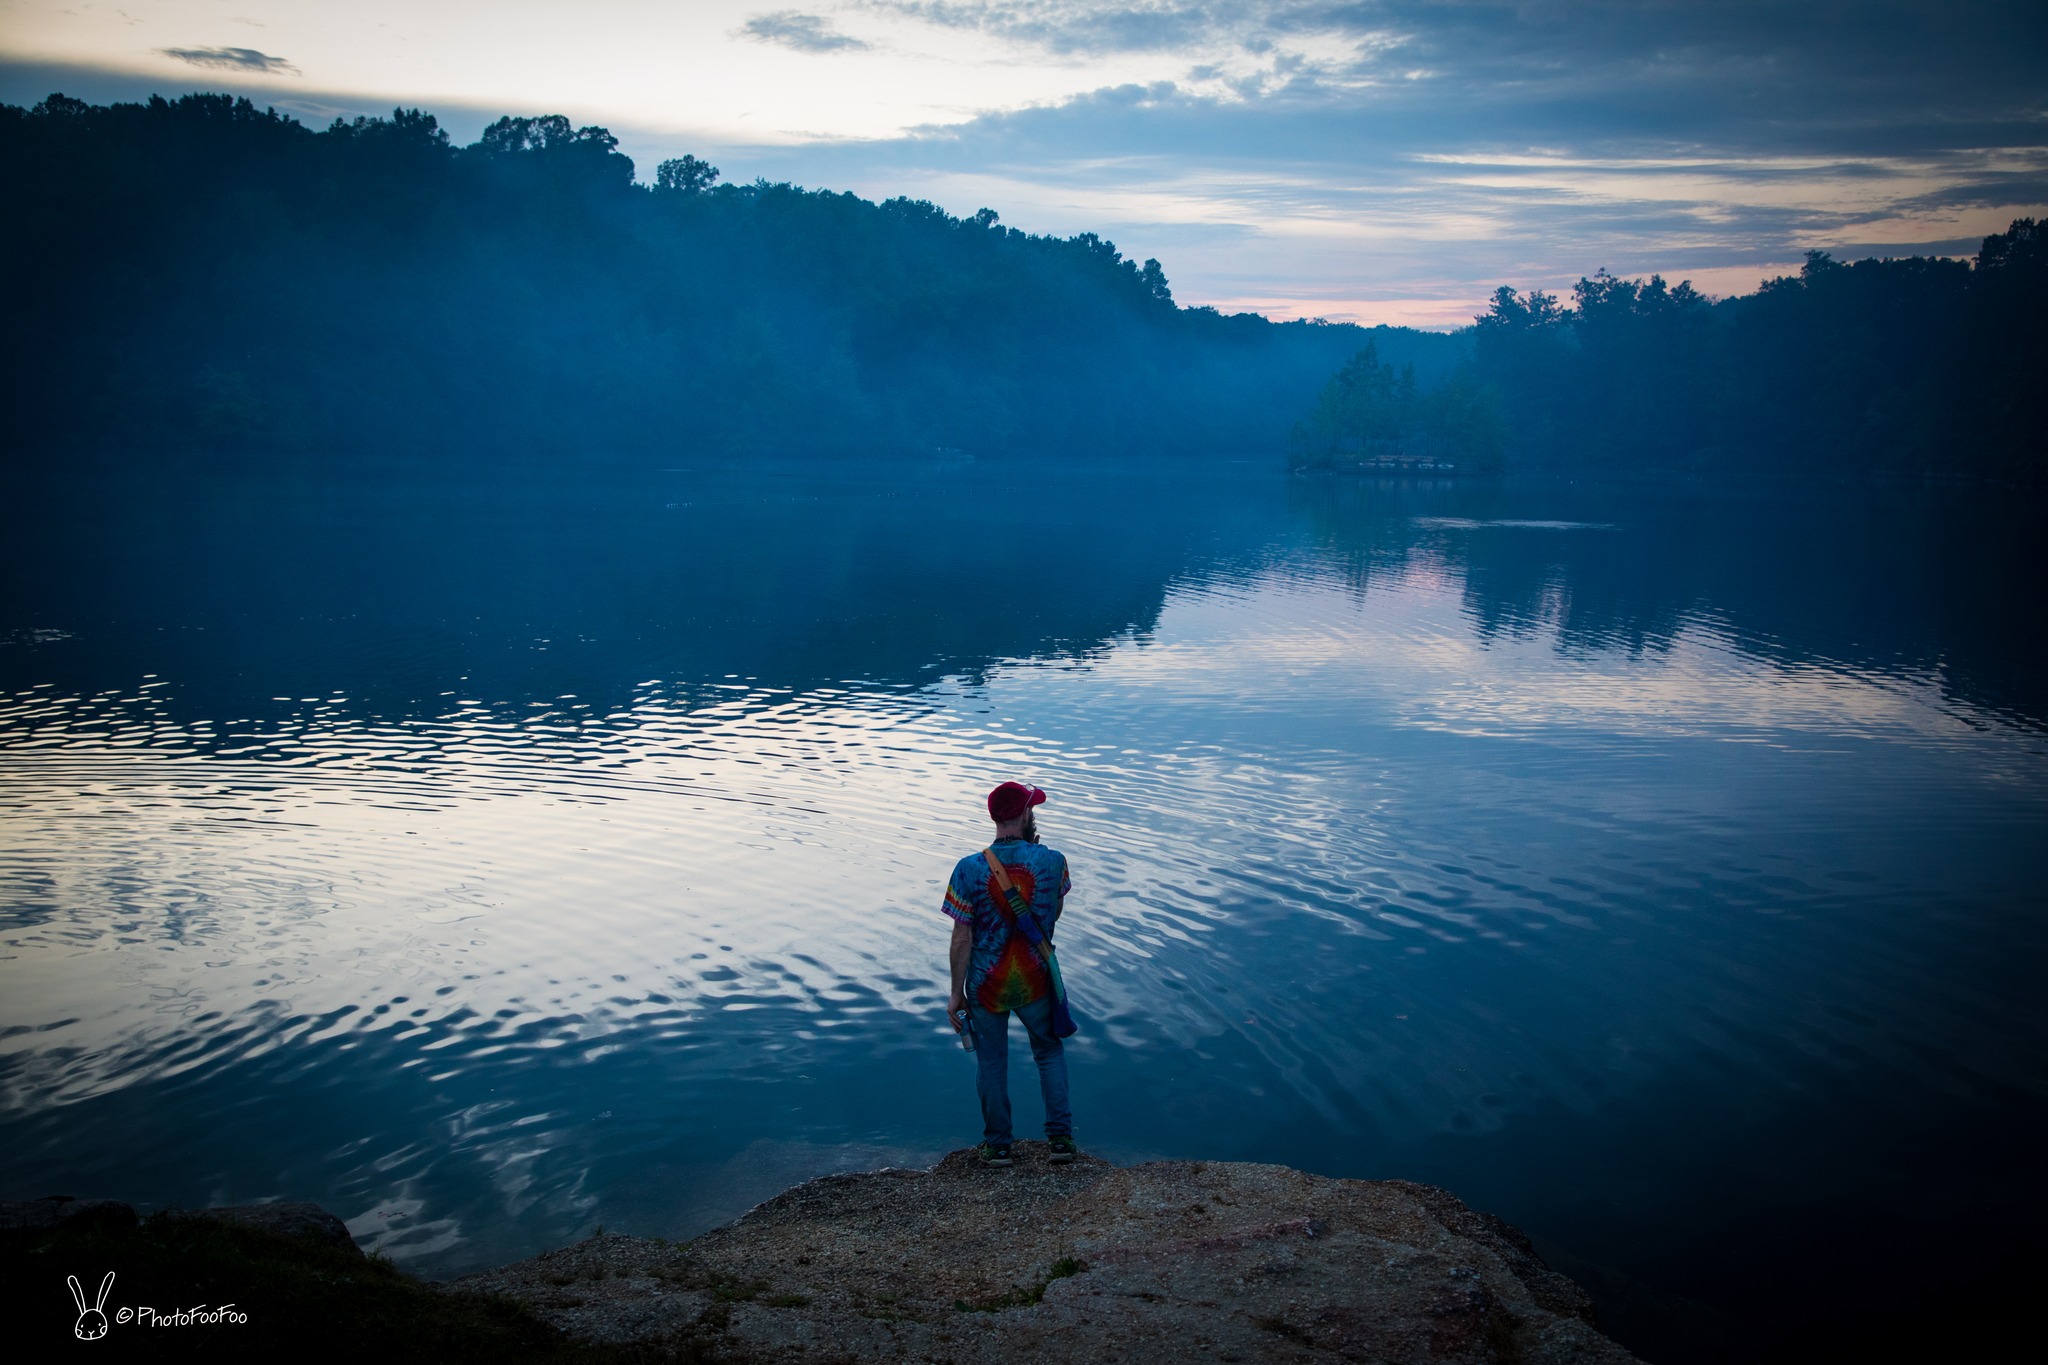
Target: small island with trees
1372	419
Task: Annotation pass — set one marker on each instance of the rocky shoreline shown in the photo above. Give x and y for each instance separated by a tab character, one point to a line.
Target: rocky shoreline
1167	1261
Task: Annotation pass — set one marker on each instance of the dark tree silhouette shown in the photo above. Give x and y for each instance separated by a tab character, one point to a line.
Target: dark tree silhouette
687	174
199	276
1373	417
1916	366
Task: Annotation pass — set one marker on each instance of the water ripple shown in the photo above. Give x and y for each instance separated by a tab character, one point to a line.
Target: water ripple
1339	855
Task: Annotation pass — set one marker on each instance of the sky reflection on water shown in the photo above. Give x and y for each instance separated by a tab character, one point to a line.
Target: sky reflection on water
1394	855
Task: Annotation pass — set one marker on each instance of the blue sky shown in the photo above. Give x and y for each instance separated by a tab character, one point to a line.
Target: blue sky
1367	161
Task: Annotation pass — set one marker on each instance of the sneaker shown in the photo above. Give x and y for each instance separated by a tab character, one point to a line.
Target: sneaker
995	1154
1061	1148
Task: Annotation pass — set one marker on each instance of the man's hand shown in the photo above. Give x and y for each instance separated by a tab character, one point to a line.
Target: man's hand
957	953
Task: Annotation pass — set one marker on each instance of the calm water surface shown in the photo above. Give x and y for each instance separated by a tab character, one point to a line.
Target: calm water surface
487	859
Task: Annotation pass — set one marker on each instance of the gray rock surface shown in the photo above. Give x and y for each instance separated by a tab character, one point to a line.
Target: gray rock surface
33	1215
1168	1261
290	1220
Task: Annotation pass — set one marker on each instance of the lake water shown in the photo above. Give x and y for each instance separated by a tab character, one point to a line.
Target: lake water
488	858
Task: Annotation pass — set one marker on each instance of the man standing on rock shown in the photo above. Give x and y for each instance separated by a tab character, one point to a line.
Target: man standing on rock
998	970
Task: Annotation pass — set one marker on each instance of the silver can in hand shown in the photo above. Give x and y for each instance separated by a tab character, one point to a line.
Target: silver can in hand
966	1029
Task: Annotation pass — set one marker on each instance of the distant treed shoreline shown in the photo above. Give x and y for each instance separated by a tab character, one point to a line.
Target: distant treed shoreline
1919	366
1916	367
202	277
198	279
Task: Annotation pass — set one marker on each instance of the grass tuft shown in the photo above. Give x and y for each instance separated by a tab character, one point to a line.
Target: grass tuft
1281	1327
1023	1296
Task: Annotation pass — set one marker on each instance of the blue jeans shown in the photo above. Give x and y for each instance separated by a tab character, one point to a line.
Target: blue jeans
992	1068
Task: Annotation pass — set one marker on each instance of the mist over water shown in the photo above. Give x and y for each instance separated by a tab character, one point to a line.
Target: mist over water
489	857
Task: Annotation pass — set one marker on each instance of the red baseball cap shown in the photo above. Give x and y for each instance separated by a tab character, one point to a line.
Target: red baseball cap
1012	799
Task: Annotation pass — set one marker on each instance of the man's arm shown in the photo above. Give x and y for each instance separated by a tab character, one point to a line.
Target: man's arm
962	948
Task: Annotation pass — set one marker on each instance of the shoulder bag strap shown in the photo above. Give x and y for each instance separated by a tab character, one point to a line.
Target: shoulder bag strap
1012	905
1022	921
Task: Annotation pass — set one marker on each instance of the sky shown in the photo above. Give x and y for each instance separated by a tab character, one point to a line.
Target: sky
1372	162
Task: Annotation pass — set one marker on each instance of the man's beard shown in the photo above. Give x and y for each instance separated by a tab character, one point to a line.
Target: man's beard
1030	835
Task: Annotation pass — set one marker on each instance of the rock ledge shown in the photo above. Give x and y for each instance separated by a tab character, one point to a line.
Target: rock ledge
1168	1261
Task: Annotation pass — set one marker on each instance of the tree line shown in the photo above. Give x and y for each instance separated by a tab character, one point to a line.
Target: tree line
1374	418
1915	367
201	276
198	276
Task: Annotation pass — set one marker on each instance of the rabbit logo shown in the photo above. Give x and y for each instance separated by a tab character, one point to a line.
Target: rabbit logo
92	1323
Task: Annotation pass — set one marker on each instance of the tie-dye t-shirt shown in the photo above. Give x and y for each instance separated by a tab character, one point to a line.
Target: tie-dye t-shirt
1004	972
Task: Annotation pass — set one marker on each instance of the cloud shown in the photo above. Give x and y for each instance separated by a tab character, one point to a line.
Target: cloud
1758	72
1608	130
1412	204
1081	26
1350	151
800	32
231	59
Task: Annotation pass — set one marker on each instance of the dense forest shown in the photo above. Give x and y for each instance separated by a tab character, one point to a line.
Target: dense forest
201	276
197	277
1907	366
1921	366
1372	417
